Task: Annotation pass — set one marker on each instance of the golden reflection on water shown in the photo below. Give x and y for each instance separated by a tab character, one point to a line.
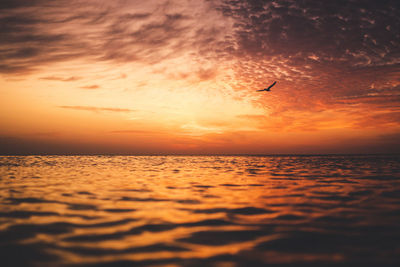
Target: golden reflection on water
184	211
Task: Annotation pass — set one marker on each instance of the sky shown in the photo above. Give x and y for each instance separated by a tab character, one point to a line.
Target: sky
180	77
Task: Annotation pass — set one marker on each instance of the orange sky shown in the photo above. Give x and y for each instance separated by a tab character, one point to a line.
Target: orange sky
180	77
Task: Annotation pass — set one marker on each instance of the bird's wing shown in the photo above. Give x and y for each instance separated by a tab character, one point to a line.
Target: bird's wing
261	90
271	85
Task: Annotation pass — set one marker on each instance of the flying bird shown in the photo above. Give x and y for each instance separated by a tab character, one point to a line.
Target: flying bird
267	89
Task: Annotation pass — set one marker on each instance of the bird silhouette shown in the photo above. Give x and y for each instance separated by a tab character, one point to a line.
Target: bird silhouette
267	89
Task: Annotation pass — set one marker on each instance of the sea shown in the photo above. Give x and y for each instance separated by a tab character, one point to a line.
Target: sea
223	211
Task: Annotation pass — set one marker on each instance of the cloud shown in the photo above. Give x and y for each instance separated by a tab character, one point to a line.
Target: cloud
206	74
251	117
324	55
141	132
325	58
315	48
61	79
387	119
352	31
95	86
36	34
384	97
12	4
282	39
97	109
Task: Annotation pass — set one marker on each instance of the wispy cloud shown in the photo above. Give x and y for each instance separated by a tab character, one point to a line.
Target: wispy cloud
106	32
97	109
61	79
95	86
146	132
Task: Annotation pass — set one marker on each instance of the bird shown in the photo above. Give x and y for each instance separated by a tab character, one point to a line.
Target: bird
267	89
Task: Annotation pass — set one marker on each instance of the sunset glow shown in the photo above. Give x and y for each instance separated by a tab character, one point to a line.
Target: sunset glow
180	77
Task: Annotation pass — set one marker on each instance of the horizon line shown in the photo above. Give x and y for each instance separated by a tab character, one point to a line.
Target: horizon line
200	154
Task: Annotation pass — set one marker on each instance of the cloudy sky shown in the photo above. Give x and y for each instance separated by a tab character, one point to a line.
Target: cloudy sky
180	76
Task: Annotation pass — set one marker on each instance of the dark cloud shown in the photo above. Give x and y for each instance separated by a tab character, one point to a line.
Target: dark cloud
353	32
381	97
319	51
10	4
97	109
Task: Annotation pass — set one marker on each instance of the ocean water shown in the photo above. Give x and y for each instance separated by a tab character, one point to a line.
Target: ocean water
200	211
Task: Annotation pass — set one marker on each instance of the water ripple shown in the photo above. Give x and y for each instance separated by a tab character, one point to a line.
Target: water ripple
200	211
